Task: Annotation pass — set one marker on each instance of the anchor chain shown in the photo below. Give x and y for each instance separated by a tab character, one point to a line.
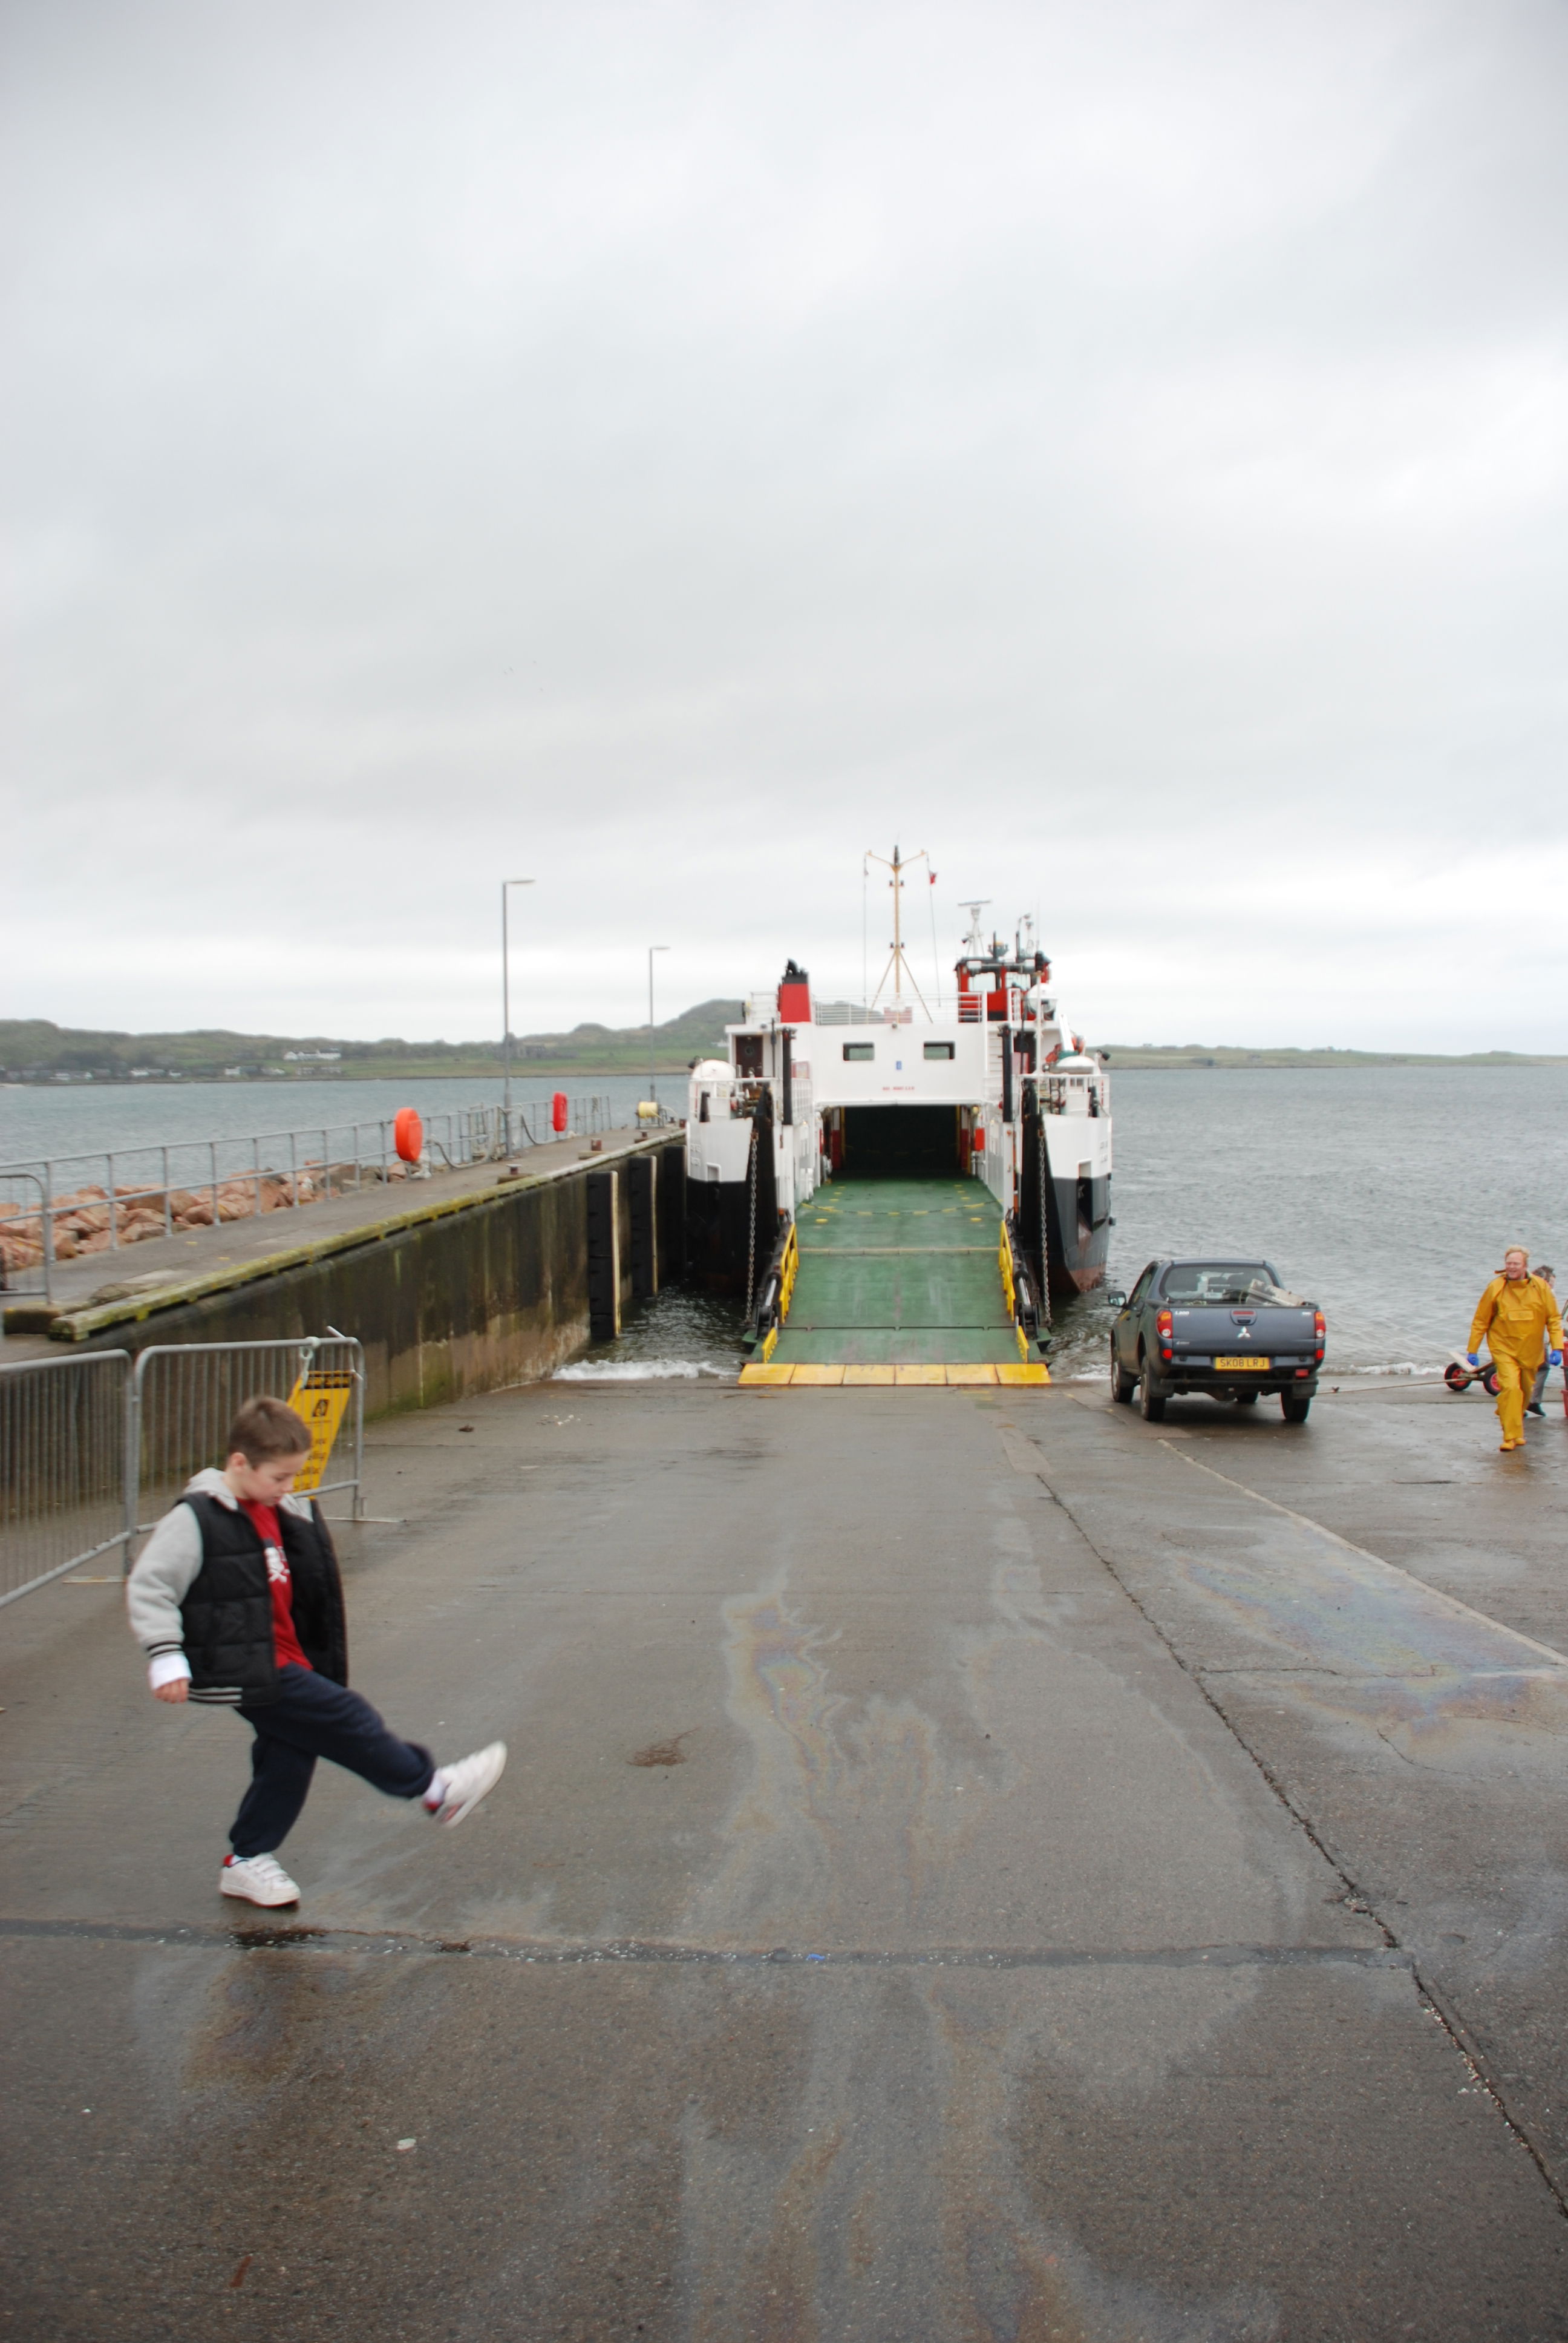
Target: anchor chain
1044	1223
751	1241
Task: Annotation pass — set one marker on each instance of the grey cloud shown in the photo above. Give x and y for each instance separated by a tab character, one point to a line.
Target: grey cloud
667	451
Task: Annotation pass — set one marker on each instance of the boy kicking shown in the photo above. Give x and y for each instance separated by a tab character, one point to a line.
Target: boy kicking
236	1599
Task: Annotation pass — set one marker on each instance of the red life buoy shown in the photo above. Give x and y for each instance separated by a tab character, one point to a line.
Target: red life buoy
408	1134
558	1111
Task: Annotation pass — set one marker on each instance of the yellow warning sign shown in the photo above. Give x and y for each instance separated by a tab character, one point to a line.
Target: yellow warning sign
320	1398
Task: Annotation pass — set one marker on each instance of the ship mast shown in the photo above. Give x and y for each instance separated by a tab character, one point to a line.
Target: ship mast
898	967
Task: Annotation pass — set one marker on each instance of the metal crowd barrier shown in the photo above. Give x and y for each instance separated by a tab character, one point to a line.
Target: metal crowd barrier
184	1395
167	1183
62	1465
19	1216
93	1450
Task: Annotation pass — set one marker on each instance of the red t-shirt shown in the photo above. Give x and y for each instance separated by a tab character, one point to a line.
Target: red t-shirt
285	1642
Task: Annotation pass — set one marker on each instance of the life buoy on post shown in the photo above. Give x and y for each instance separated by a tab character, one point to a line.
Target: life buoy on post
558	1111
408	1134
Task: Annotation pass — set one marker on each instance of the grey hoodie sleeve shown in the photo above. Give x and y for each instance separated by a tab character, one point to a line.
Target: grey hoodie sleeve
160	1580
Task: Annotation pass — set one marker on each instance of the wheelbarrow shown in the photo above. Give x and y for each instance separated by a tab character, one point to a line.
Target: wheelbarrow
1459	1376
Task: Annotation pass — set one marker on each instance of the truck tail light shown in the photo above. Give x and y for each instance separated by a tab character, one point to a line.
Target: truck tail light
1320	1332
1163	1328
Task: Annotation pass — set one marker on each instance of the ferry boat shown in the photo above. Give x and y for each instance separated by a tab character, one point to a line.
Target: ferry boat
849	1167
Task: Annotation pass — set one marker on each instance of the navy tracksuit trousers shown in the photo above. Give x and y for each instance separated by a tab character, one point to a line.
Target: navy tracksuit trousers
312	1717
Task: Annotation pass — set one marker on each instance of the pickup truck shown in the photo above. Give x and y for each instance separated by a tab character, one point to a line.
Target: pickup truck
1225	1328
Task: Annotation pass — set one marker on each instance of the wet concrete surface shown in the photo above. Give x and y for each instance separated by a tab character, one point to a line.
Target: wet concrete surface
964	1871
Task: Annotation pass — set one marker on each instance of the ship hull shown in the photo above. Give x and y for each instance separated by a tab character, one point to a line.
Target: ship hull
1064	1199
1077	1248
731	1225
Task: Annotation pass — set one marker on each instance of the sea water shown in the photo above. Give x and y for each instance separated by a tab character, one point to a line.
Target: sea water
1385	1194
53	1121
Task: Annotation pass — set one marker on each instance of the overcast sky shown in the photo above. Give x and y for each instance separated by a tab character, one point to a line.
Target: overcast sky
664	450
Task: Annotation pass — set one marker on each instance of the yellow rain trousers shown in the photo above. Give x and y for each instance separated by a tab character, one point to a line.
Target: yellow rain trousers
1516	1321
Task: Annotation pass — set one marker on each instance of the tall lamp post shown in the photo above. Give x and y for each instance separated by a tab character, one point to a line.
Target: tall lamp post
651	949
507	1003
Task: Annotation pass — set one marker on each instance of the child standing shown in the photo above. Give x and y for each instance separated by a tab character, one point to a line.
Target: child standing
236	1599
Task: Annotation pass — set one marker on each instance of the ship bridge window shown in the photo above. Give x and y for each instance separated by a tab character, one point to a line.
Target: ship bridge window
938	1049
858	1053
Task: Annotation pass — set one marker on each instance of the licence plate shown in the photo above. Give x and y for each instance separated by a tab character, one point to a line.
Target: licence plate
1243	1366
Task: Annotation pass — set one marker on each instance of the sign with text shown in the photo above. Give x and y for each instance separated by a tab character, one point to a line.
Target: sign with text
321	1398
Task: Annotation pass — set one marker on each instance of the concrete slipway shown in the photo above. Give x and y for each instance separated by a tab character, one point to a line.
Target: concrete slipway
972	1866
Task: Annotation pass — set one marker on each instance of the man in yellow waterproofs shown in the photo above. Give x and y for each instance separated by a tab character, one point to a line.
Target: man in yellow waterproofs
1514	1315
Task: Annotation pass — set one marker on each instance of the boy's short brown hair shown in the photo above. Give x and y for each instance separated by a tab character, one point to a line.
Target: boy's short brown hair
266	1429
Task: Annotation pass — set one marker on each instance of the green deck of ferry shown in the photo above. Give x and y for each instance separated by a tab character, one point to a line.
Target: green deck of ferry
898	1269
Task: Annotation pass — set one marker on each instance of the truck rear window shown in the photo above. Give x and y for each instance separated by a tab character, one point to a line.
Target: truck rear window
1205	1284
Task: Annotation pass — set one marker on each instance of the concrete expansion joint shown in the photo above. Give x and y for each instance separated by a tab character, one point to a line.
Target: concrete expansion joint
654	1952
1470	2052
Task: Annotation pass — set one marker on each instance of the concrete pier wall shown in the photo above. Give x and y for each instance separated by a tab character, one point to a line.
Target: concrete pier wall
463	1297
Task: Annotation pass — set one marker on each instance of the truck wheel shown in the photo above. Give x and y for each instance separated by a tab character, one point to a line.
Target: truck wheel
1293	1406
1151	1400
1122	1386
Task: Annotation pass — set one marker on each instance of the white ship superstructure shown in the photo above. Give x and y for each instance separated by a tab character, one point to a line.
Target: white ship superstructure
991	1087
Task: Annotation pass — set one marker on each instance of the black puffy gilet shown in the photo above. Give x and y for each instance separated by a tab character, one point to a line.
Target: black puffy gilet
228	1608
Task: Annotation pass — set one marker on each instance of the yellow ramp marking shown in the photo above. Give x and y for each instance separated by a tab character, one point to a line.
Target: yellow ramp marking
815	1374
870	1374
919	1375
1024	1374
971	1375
774	1375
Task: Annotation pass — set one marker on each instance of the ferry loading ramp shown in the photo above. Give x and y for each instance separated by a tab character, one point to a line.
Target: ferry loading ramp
900	1280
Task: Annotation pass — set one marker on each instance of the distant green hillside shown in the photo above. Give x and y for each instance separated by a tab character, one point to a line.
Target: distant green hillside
1197	1054
35	1050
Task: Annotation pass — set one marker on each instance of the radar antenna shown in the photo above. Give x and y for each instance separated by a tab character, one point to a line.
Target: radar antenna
974	942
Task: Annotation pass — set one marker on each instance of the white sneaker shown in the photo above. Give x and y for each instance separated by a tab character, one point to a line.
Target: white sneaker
259	1879
469	1780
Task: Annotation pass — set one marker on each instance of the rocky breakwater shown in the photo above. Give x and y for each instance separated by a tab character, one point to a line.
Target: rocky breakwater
88	1220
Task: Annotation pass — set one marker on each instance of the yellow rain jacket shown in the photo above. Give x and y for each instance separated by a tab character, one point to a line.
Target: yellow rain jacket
1513	1319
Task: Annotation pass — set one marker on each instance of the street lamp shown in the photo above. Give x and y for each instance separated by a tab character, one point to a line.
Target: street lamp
507	1003
651	949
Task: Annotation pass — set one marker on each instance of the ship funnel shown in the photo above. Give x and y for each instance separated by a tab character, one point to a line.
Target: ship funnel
795	995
